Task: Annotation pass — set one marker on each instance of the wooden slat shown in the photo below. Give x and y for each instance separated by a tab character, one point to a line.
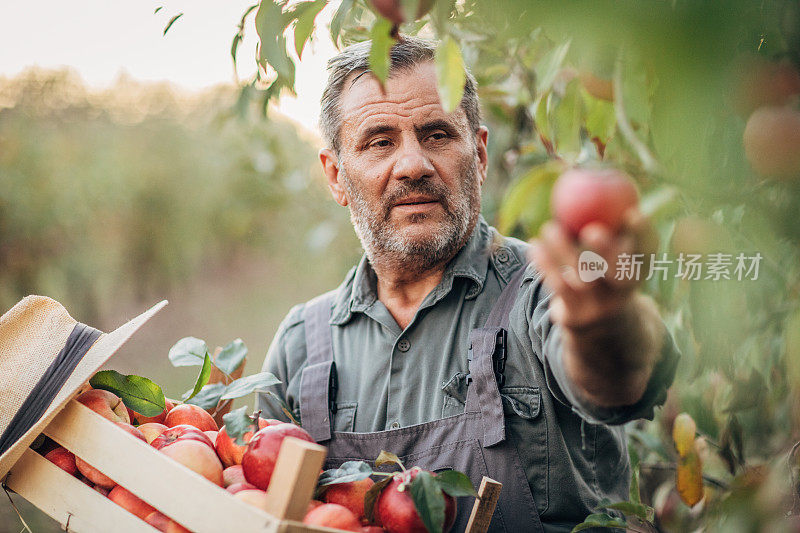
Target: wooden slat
165	484
483	509
294	478
68	500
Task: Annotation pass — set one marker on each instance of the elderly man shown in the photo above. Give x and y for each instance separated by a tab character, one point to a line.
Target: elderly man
444	345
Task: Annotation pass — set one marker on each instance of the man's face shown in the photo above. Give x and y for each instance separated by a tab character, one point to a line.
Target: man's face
410	172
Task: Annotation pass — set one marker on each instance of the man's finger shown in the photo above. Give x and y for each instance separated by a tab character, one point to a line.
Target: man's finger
551	269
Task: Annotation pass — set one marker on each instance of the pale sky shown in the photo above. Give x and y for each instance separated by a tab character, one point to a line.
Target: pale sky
101	38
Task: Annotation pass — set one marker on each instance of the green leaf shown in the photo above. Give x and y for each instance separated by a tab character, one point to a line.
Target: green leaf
237	423
270	24
601	121
450	73
209	396
428	501
339	17
138	393
246	385
455	483
601	520
347	473
231	356
547	69
645	512
387	458
372	496
171	22
202	379
567	120
188	351
528	200
306	13
541	115
633	493
382	43
284	407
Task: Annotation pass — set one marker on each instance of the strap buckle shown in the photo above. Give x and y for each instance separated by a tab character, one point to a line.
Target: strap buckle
498	357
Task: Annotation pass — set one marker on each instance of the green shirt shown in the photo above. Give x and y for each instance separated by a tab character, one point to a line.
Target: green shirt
573	453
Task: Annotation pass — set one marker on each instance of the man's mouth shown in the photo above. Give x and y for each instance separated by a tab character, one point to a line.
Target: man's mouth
416	200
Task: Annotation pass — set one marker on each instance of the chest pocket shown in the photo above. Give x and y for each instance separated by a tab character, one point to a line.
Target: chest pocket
523	402
345	417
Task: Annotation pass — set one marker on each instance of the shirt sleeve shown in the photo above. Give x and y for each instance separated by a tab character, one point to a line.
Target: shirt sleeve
285	358
547	341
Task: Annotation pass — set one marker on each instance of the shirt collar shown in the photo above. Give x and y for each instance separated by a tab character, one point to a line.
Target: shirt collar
359	289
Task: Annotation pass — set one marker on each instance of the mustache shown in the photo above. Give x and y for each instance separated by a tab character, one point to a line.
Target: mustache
421	187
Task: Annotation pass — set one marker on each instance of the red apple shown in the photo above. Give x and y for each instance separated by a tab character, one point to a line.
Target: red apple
261	454
159	419
350	495
191	415
772	142
372	529
132	430
582	195
151	430
102	490
94	475
255	497
163	523
392	10
233	474
395	510
64	459
313	504
179	433
231	453
105	403
237	487
131	502
212	435
333	515
196	456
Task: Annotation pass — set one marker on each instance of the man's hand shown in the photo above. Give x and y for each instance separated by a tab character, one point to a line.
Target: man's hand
612	334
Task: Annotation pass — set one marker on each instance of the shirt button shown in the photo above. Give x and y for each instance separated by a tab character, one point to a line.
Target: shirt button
502	256
395	425
403	345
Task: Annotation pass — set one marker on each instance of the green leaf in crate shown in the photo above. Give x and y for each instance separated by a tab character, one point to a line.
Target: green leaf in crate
372	496
138	393
428	501
237	423
450	73
382	42
347	473
231	356
202	379
455	483
388	457
209	396
601	520
188	351
246	385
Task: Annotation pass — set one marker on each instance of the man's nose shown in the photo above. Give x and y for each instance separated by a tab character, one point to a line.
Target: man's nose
412	162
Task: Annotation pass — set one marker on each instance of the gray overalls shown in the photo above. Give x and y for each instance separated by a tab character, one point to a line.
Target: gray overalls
473	442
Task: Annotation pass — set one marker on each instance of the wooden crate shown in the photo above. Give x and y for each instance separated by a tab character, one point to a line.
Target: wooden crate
167	485
170	487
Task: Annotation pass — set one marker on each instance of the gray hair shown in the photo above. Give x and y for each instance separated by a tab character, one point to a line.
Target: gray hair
407	53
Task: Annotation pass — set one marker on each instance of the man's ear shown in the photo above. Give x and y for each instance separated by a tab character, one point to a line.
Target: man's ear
330	166
481	142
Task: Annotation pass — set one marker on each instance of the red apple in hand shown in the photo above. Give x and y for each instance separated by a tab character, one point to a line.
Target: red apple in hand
105	403
261	454
126	499
196	456
395	510
350	495
179	433
332	515
64	459
191	415
231	453
583	195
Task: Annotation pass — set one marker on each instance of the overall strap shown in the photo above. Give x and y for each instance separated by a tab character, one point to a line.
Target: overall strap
318	382
487	353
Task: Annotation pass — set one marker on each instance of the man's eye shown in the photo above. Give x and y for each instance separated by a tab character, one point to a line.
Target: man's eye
382	143
438	136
